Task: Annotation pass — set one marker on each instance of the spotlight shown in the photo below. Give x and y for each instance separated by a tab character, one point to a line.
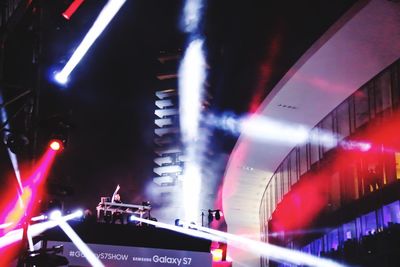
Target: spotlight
55	215
134	221
56	145
217	254
61	78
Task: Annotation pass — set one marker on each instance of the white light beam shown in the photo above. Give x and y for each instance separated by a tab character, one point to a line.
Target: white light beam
274	252
34	230
89	255
192	77
266	130
104	18
277	253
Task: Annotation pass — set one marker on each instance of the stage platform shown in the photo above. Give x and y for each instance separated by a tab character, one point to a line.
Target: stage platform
131	245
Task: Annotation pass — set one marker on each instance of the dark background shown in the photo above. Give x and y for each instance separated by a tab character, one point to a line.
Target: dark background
109	101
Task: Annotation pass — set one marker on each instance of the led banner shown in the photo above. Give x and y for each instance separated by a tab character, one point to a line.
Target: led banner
122	256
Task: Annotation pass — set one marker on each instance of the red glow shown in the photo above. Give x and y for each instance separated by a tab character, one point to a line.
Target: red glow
222	264
302	204
72	8
322	84
32	191
265	71
219	224
17	211
11	208
56	145
350	175
9	253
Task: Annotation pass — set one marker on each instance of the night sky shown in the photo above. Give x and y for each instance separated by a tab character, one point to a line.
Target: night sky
109	100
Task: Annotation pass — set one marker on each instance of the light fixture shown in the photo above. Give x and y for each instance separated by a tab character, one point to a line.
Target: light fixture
56	145
67	14
217	215
55	215
214	214
60	78
217	254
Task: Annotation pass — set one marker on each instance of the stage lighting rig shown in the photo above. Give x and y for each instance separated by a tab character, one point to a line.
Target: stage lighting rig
46	257
214	214
16	141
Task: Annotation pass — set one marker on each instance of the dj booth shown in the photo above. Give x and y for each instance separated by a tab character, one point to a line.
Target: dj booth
129	243
107	210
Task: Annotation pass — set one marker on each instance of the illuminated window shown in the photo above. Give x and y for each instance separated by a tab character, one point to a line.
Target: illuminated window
397	158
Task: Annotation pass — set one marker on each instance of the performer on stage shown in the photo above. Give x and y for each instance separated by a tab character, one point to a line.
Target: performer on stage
117	215
117	198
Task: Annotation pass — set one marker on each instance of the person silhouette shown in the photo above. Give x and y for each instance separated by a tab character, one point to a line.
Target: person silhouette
117	216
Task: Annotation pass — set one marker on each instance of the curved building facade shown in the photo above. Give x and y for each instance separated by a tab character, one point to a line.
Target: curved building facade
342	183
339	199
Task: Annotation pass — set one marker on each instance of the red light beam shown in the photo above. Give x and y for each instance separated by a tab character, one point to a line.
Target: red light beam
67	14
